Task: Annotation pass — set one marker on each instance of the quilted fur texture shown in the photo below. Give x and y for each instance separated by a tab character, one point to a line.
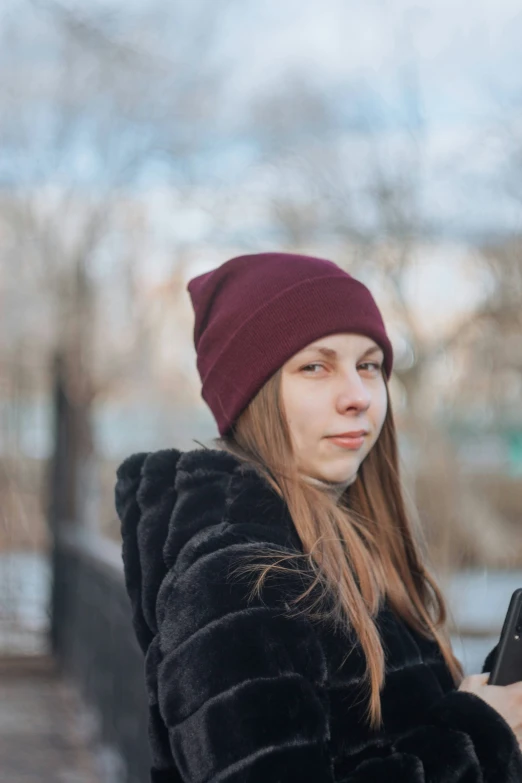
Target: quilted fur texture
239	693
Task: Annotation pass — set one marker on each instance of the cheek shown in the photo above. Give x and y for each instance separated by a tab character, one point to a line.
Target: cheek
302	408
381	407
302	415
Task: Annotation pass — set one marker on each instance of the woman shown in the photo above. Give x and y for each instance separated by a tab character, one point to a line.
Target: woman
291	629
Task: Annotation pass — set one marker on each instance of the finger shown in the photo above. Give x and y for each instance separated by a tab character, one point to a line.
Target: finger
479	679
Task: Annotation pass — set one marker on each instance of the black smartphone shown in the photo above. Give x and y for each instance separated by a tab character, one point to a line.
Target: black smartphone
508	660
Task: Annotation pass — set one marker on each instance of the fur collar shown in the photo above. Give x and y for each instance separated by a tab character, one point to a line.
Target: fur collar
155	496
155	493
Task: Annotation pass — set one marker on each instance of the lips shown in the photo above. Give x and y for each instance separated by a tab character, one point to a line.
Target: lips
355	434
350	441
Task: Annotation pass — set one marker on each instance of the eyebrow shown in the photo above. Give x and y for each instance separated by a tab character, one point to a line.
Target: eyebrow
331	354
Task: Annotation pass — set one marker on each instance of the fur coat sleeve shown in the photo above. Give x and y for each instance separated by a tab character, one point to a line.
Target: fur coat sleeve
239	693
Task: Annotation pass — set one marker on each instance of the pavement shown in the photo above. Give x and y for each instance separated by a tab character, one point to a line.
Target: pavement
42	738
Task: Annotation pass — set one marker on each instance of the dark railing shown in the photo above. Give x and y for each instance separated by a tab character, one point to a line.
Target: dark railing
93	640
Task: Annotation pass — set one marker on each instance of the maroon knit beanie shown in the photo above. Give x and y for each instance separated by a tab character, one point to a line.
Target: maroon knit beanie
254	312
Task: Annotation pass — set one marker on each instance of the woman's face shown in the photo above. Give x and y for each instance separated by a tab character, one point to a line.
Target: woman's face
328	392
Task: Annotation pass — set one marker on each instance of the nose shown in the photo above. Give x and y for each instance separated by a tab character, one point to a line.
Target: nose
354	394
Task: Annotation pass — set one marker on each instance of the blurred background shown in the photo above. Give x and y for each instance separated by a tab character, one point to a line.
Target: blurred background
142	143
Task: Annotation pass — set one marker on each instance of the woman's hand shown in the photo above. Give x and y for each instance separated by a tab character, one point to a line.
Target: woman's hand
505	699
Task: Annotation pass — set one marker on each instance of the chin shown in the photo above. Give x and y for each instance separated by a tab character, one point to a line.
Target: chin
348	476
346	472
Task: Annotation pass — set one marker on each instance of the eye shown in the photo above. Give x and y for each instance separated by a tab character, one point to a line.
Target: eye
314	364
376	365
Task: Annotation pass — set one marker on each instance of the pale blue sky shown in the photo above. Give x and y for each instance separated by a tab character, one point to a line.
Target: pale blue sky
456	66
468	55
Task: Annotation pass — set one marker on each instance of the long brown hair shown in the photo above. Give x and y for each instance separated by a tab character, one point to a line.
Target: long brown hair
361	547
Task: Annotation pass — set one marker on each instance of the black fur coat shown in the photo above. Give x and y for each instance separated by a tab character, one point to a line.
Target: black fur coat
239	693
